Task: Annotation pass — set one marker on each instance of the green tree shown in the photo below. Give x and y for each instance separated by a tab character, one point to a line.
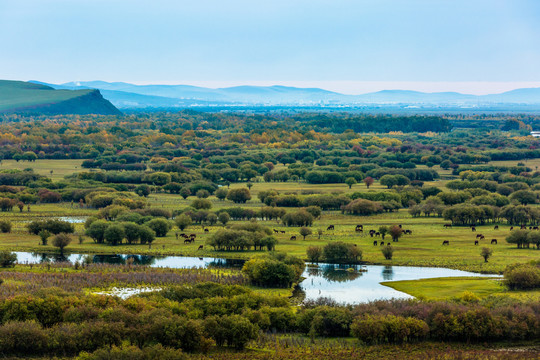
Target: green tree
146	235
7	259
160	226
44	236
96	230
241	195
304	231
388	252
221	193
183	221
314	254
350	181
185	192
224	218
486	253
114	234
61	241
383	230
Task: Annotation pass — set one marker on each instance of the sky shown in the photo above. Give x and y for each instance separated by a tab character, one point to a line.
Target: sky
349	46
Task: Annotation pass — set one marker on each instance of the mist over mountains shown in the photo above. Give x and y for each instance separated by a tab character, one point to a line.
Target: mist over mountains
131	96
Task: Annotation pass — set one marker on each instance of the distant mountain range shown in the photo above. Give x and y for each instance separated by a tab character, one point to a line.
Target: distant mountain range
126	96
32	98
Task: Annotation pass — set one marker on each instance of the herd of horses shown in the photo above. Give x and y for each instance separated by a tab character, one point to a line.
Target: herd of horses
188	239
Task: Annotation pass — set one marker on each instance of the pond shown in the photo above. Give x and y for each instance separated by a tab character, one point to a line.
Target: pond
342	283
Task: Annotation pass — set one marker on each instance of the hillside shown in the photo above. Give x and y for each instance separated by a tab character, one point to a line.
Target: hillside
25	97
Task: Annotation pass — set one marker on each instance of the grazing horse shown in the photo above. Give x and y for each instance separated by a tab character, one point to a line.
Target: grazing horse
473	228
187	241
206	230
482	237
276	231
478	235
409	232
493	241
293	237
200	247
377	234
447	226
496	227
476	242
446	242
192	235
331	227
372	232
382	243
511	228
283	231
375	243
388	244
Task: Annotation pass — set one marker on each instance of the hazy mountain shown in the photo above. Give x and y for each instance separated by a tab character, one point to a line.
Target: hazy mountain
26	97
125	95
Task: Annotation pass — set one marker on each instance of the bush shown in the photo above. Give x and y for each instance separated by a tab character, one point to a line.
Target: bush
130	352
201	204
5	226
388	252
234	330
7	259
522	276
378	329
314	253
61	241
241	195
53	226
183	221
340	252
274	271
363	207
160	226
114	234
298	218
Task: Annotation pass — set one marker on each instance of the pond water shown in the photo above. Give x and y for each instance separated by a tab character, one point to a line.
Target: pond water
342	283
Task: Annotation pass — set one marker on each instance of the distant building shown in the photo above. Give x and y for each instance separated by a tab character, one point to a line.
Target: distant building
535	133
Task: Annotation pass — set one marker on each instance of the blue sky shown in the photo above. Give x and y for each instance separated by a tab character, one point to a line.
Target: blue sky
467	45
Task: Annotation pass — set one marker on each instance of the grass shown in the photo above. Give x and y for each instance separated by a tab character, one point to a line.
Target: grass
445	288
59	168
422	248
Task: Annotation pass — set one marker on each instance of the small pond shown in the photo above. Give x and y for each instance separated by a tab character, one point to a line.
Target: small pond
342	283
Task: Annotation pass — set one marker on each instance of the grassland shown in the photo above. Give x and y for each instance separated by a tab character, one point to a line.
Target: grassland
445	288
422	248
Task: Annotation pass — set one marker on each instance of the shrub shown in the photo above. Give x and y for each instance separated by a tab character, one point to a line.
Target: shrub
298	218
54	226
241	195
97	229
377	329
44	236
146	235
183	221
160	226
5	226
388	252
7	259
114	234
201	204
61	241
314	253
234	330
340	252
363	207
522	276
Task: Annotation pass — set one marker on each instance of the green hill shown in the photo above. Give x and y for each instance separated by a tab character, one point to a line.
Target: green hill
25	97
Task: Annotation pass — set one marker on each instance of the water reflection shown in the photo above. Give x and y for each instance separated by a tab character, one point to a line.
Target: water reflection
387	273
342	283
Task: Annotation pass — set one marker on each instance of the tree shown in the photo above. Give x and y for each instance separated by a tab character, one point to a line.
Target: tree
368	181
183	221
350	181
395	232
44	236
314	254
212	219
249	185
224	218
524	197
388	180
522	276
7	259
304	231
61	241
221	193
5	226
388	252
383	230
146	235
241	195
142	190
160	226
185	192
96	230
202	194
201	204
114	234
340	252
131	232
518	237
486	253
